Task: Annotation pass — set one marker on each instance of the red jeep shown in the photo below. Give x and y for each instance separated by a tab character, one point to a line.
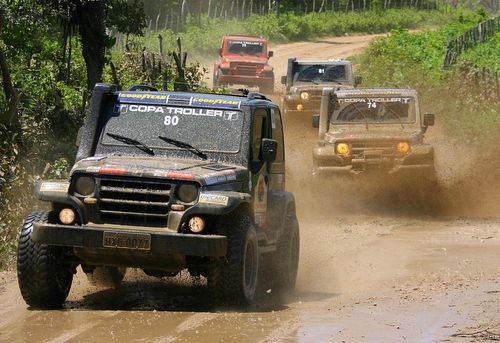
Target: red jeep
244	61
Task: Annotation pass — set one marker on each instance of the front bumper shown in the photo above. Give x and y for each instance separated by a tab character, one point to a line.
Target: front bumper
161	243
245	79
419	161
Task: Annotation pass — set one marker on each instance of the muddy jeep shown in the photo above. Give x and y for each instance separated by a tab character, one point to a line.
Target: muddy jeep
305	80
368	130
244	60
165	182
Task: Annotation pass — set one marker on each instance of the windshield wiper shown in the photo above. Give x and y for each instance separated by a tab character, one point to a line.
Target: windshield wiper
395	115
362	114
184	145
131	141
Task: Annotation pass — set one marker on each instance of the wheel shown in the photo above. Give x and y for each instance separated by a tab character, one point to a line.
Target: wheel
44	280
215	79
267	88
233	281
106	276
287	256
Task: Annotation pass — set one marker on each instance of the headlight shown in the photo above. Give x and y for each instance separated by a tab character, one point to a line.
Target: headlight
187	192
304	96
300	107
403	147
342	149
85	185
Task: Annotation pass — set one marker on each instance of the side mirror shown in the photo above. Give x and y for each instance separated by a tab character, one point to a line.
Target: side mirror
283	80
79	136
271	54
268	149
315	121
358	80
429	119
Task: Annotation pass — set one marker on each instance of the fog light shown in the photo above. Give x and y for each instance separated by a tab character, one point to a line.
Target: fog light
304	96
196	224
342	149
67	216
403	147
300	107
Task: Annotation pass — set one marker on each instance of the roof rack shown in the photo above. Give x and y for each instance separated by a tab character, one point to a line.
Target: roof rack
257	95
142	88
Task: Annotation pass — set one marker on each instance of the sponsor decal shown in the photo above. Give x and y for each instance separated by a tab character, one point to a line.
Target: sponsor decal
143	97
368	100
214	199
181	176
59	187
92	169
187	111
112	170
245	43
207	102
260	201
230	115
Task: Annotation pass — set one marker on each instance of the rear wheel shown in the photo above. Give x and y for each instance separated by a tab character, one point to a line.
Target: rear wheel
215	79
44	280
287	257
107	276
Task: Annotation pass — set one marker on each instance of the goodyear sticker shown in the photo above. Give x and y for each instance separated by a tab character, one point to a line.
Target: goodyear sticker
60	187
213	199
216	102
143	97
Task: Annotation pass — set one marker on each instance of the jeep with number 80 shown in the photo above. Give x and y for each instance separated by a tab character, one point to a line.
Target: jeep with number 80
163	182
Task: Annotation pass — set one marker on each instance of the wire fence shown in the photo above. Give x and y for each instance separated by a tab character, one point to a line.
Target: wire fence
469	39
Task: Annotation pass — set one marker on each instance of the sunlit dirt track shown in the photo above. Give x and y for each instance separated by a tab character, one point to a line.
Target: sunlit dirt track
377	265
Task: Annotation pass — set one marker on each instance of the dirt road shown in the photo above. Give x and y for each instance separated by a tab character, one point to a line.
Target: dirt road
375	267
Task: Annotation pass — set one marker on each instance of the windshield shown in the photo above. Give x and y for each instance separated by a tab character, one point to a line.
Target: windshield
210	130
321	73
245	47
374	110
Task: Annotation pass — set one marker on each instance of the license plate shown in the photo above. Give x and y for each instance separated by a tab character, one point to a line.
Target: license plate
135	241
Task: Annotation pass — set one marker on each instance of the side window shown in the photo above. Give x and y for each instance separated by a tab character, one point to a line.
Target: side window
259	131
277	133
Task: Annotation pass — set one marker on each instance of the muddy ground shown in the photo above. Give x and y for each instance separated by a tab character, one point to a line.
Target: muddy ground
379	263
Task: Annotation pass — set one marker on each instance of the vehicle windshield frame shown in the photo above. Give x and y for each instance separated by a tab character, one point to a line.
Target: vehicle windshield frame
321	80
231	41
105	146
411	119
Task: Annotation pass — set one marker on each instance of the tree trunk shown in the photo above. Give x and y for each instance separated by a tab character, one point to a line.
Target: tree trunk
10	116
93	34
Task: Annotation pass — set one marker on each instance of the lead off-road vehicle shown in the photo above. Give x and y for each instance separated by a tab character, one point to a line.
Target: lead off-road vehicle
305	80
244	60
367	130
164	182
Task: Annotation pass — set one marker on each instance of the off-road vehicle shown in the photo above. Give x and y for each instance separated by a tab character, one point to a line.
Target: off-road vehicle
305	80
244	60
165	181
363	130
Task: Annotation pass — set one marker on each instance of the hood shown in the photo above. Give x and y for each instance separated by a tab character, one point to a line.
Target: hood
246	58
203	172
383	134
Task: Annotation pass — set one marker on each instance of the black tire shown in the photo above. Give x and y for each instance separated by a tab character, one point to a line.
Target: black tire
107	276
44	280
267	88
233	281
287	257
215	79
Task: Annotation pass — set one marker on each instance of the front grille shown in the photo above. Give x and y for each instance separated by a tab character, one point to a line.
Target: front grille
373	149
245	68
315	95
134	202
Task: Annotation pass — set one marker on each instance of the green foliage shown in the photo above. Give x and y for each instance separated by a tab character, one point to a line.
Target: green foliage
202	37
485	55
463	102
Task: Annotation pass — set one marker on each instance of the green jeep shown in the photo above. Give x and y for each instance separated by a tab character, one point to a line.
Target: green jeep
369	130
166	181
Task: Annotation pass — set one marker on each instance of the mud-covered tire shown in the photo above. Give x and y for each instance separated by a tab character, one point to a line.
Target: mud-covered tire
107	276
44	280
267	88
233	281
215	79
286	261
